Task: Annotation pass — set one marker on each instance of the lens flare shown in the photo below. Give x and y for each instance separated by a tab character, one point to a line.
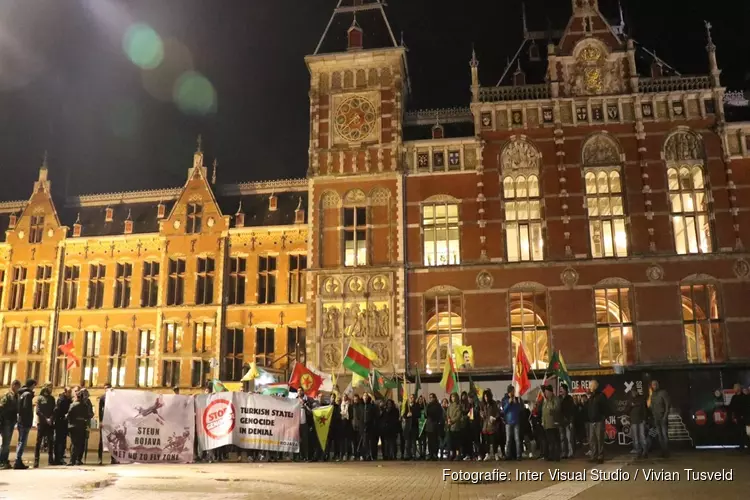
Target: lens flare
143	46
194	94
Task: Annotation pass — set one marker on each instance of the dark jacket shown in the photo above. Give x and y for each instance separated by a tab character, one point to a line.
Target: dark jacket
567	410
637	409
45	407
61	410
490	414
597	407
9	408
102	402
512	410
369	415
26	407
358	416
389	422
411	418
79	415
434	416
739	407
551	413
660	404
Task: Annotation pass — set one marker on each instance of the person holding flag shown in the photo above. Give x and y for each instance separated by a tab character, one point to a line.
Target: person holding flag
511	405
411	427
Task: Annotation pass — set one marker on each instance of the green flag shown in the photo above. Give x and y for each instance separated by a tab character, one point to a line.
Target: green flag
417	385
383	382
375	380
557	366
422	421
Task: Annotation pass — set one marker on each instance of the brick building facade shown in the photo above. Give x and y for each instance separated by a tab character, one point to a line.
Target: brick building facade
589	203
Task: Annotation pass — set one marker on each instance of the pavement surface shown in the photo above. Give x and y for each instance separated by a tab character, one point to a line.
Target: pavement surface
388	480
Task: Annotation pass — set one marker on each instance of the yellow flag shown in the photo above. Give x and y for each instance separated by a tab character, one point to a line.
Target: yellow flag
322	417
357	379
251	374
464	355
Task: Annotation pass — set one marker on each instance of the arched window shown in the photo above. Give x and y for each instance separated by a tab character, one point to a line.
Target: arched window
614	326
443	328
702	324
688	198
519	165
601	160
527	310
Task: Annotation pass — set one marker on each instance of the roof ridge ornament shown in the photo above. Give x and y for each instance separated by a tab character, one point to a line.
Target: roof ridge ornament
213	174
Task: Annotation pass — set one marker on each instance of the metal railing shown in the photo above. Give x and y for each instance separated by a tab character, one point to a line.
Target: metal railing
514	93
674	83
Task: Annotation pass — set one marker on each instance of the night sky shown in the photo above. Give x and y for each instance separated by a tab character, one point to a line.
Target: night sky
67	86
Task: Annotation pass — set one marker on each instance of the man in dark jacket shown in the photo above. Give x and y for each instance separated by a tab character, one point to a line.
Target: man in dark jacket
511	406
102	403
597	409
45	428
371	415
411	427
433	425
25	420
637	412
59	418
78	418
8	419
567	420
738	408
659	404
358	428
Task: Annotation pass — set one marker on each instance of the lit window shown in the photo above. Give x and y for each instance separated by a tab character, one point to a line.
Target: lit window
204	284
355	236
118	350
202	337
527	311
96	286
90	358
150	284
606	215
36	228
172	338
443	329
614	326
233	346
145	358
523	218
194	218
42	286
71	274
170	373
701	324
295	344
17	288
33	369
8	371
689	207
36	342
266	279
200	373
264	346
297	266
237	276
12	340
440	229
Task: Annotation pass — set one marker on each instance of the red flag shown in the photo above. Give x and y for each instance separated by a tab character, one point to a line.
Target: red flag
521	372
303	378
68	350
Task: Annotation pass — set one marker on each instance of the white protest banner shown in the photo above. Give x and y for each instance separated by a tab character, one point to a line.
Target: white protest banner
145	427
250	421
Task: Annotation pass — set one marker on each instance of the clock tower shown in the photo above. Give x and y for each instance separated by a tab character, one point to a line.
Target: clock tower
358	85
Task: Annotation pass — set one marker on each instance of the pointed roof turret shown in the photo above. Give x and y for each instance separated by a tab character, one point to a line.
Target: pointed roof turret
587	21
354	35
713	66
353	18
42	183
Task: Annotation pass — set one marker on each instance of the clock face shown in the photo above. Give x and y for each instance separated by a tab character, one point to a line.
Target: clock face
355	118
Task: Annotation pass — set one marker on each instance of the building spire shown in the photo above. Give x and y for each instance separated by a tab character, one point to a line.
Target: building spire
371	9
474	65
712	64
213	174
199	141
523	20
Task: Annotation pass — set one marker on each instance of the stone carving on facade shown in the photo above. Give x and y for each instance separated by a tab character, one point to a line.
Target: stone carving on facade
331	356
379	284
485	280
379	196
330	199
655	272
382	349
355	197
682	146
569	277
331	322
355	321
593	73
331	286
355	285
600	150
520	157
741	269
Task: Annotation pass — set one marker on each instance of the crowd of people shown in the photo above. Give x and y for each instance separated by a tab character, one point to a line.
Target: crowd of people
461	427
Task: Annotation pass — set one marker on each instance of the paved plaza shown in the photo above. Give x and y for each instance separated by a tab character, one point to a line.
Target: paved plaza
381	480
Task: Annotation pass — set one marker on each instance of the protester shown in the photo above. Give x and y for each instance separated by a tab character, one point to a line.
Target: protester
455	424
637	412
551	424
597	411
411	427
25	420
59	418
102	402
659	404
489	414
45	427
8	419
78	417
567	423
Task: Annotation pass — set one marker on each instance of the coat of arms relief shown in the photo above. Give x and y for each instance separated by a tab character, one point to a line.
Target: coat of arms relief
593	72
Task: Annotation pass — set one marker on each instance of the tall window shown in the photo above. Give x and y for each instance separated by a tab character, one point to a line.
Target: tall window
150	284
204	284
702	324
71	275
170	373
33	369
145	360
528	308
118	350
12	340
232	349
2	286
176	282
237	276
606	215
689	207
264	346
61	362
8	370
266	279
172	338
295	343
17	288
194	218
440	228
202	336
614	326
36	229
123	274
523	218
42	286
96	285
89	368
444	328
297	266
36	340
355	236
200	373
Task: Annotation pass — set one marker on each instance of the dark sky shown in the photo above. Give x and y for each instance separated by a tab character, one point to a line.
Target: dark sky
66	85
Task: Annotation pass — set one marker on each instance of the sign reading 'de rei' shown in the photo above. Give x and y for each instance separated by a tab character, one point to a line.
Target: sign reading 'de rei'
249	421
145	427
